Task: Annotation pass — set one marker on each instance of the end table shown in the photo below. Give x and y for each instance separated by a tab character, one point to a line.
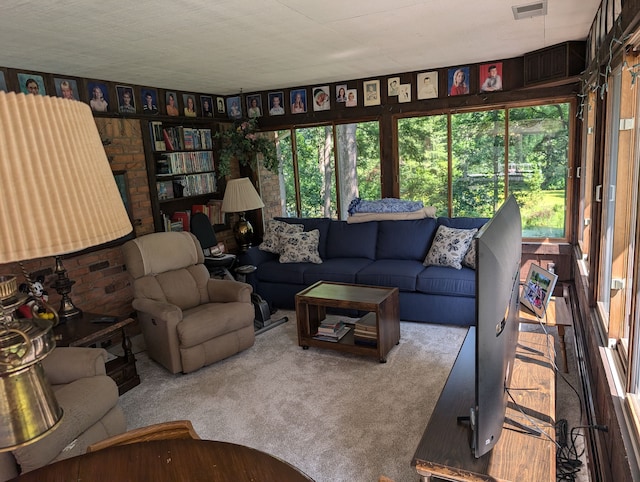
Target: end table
81	331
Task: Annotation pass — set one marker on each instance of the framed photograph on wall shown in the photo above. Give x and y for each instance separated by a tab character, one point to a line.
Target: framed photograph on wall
3	82
149	99
491	77
171	103
126	102
458	78
254	105
31	84
189	101
66	88
341	93
371	89
276	103
234	108
537	289
220	105
393	84
98	96
206	105
404	93
321	99
427	83
352	98
298	99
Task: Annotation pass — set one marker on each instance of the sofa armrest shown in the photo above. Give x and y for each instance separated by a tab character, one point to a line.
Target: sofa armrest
157	309
256	256
226	291
69	363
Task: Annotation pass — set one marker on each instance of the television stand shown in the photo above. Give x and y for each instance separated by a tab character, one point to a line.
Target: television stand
444	452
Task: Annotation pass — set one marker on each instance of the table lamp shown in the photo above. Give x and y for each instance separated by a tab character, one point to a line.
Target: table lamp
239	197
58	195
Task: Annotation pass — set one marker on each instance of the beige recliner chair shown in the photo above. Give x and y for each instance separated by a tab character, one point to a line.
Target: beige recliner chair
89	400
188	319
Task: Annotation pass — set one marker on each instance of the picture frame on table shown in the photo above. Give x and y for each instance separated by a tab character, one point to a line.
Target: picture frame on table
66	88
371	92
538	289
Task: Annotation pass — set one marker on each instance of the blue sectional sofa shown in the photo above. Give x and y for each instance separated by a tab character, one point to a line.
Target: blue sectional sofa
380	253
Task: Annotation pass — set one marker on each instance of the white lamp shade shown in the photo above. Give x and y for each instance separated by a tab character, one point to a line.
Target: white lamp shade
240	196
57	191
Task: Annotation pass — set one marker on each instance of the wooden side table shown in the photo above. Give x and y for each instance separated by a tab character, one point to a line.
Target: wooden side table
82	331
557	315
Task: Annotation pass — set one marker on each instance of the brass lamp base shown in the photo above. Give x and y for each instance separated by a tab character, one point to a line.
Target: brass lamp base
243	232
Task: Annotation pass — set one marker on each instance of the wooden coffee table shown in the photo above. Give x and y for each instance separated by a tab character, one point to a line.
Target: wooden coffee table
311	310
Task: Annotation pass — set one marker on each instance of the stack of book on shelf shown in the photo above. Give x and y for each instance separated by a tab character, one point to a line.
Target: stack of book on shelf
331	330
365	331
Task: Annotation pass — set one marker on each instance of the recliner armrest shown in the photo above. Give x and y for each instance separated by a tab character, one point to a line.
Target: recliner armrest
225	291
157	309
67	364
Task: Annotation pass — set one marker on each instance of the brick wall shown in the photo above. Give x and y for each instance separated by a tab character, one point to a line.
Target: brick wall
102	285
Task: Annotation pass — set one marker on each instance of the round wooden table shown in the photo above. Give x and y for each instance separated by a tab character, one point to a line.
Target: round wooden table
171	460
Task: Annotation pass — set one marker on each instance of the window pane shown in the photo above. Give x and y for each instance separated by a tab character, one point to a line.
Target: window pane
314	154
477	147
422	150
538	160
358	147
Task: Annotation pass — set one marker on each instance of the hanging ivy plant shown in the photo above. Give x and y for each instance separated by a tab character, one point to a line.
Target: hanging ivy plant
243	142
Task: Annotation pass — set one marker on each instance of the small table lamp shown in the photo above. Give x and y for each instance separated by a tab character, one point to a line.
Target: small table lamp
239	197
58	195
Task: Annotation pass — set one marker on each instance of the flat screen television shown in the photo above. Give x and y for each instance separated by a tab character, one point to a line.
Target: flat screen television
498	251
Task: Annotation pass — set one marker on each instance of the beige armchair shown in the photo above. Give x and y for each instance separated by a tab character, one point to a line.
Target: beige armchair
89	400
188	319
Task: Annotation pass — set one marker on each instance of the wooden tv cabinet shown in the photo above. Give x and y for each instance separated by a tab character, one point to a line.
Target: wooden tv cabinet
444	451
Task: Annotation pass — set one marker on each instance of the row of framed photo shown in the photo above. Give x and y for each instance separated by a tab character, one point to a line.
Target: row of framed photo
427	87
127	99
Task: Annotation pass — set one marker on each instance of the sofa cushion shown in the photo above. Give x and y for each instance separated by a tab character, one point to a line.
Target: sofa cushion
352	240
462	223
405	239
271	241
276	272
321	224
440	280
300	247
449	247
343	270
469	259
401	273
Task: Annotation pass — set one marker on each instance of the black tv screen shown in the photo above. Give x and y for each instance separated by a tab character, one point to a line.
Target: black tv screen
498	251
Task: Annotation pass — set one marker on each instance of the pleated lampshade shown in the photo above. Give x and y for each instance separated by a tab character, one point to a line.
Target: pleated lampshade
57	195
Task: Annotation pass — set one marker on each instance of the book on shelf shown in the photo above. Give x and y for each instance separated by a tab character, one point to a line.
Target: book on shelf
335	337
182	217
215	214
157	136
367	323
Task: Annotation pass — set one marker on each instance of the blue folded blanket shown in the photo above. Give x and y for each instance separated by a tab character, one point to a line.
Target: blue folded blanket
385	205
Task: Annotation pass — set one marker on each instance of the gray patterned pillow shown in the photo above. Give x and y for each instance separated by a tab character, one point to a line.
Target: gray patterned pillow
449	247
300	247
469	259
274	230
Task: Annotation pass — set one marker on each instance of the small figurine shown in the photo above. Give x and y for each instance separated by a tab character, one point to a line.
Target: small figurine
36	303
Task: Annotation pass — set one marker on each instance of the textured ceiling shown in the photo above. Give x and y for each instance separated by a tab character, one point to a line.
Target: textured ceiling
228	46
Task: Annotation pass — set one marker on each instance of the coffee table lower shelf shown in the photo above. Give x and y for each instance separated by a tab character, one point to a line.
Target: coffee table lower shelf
311	310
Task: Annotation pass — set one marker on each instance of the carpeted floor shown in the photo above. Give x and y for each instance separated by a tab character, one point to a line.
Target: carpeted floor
336	417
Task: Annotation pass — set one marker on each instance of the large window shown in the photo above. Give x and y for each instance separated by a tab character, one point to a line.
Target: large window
461	164
323	168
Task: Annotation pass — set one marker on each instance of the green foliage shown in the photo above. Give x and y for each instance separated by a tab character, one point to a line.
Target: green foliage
243	142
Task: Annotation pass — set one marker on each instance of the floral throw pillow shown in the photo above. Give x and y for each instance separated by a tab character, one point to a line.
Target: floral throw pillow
469	259
300	247
449	247
274	230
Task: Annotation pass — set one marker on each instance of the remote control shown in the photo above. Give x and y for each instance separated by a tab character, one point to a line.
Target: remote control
104	319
